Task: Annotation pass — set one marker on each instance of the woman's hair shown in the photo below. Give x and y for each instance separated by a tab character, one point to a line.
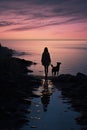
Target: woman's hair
45	49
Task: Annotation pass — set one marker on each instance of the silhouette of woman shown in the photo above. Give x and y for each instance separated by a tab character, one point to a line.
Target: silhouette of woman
46	60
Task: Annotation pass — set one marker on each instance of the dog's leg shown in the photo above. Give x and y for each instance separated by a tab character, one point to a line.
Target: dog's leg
52	72
57	73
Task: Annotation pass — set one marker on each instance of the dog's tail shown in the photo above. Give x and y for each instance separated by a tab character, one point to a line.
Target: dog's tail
51	65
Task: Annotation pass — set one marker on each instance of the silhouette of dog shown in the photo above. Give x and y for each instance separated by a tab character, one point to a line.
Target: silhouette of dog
55	69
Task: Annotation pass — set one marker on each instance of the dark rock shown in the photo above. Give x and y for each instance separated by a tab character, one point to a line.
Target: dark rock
15	87
81	77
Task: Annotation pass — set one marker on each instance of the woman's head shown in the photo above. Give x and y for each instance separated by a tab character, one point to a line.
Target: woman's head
45	49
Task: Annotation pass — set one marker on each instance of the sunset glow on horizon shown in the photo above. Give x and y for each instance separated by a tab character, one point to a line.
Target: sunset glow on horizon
40	19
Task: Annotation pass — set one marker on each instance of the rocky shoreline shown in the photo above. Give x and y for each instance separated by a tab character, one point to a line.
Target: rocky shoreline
15	89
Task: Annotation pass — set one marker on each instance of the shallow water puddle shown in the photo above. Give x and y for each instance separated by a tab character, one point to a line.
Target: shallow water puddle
50	110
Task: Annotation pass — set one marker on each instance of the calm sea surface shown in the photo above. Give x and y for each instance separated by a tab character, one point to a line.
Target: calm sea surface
72	54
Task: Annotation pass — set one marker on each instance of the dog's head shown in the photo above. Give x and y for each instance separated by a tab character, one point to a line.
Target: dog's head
58	63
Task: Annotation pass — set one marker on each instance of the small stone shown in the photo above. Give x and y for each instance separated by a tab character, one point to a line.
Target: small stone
33	126
38	111
37	105
65	110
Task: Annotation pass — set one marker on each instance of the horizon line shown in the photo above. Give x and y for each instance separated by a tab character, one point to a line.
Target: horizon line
49	39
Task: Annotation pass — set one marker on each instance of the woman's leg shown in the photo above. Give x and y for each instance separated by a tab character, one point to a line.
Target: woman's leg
45	70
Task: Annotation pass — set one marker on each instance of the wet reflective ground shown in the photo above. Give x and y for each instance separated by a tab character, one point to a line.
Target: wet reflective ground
50	111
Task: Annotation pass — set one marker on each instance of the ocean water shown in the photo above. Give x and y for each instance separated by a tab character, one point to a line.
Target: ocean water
71	54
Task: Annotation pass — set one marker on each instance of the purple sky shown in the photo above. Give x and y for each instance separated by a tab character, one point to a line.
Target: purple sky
40	19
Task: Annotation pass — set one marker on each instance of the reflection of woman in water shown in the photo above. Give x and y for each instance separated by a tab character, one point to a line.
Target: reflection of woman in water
46	60
45	99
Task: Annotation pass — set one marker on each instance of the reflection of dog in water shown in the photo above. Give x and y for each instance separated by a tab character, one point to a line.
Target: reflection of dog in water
47	91
55	69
